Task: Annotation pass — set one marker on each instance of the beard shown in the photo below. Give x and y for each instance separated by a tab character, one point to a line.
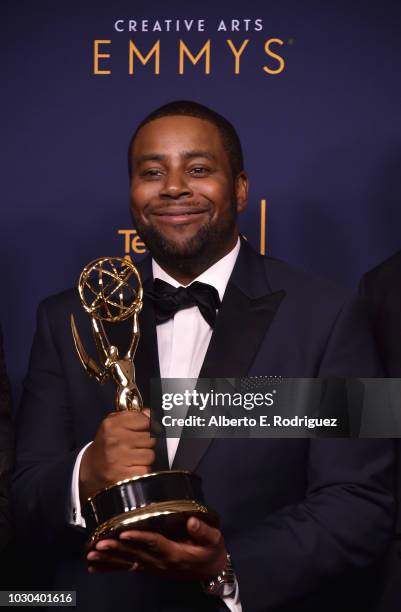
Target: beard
194	255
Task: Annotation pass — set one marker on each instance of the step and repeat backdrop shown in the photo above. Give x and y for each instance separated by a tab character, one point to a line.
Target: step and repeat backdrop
312	87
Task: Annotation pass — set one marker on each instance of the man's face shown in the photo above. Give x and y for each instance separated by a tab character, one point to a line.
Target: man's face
184	198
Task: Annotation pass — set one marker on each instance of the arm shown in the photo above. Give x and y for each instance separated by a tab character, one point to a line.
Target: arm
345	521
6	451
49	442
46	448
344	524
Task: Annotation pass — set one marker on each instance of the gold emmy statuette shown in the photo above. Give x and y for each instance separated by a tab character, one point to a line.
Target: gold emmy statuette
110	289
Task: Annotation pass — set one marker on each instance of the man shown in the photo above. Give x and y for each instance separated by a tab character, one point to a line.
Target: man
304	521
382	290
381	287
6	451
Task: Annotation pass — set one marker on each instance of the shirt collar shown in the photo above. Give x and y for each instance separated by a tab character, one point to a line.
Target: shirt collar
217	275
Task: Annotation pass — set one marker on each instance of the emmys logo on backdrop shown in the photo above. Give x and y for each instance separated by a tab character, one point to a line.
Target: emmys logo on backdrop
106	53
133	244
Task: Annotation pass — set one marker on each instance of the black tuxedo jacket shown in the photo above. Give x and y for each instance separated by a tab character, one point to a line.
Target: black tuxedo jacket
6	451
304	520
382	289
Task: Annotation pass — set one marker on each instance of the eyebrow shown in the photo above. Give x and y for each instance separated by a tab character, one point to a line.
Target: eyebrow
185	155
199	153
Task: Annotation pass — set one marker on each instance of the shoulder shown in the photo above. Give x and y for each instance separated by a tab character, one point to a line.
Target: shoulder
309	302
54	311
59	302
260	271
299	282
323	323
384	276
317	305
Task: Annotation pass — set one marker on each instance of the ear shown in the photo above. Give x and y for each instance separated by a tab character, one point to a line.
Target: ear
241	191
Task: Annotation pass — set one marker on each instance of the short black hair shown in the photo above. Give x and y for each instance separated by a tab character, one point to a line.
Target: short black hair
188	108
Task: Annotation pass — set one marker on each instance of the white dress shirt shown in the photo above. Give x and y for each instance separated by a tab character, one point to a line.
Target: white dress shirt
182	342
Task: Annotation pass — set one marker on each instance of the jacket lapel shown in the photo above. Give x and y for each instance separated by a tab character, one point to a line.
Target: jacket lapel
246	313
240	330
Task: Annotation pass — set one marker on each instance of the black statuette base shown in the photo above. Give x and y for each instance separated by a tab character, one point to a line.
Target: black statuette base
161	502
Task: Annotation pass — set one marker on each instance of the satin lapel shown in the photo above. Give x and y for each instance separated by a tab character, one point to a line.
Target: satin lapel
146	358
246	313
240	330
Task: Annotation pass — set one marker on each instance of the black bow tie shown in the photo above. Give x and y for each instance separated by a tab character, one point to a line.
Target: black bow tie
168	300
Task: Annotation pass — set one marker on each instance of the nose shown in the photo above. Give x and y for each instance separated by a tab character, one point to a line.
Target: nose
175	185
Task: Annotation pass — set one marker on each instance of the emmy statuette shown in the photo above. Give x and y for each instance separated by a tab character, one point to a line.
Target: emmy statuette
110	289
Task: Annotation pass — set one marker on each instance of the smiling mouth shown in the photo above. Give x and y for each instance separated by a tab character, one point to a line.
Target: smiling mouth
177	216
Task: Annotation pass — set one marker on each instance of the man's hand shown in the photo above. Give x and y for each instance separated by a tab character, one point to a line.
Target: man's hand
121	449
201	557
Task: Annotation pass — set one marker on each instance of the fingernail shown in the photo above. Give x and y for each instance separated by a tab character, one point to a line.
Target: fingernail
102	546
193	523
126	536
92	555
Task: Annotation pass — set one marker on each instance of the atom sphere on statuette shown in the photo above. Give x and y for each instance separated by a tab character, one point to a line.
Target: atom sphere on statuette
110	288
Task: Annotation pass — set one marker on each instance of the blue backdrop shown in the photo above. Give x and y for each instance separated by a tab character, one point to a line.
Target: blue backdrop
322	138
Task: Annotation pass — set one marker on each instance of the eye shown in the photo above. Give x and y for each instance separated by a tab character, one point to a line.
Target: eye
199	171
151	173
